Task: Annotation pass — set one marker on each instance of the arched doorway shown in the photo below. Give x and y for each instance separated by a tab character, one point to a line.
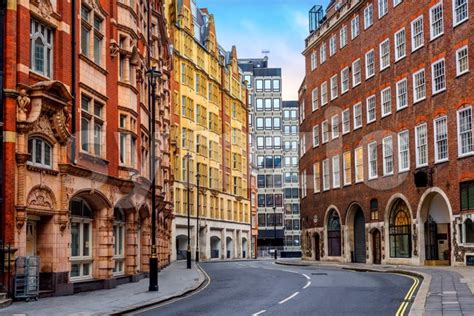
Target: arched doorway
317	252
376	247
400	230
334	234
244	247
230	248
181	247
359	237
215	247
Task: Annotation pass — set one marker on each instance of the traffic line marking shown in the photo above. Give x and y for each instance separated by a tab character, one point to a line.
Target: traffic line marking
307	284
306	276
288	298
406	300
260	312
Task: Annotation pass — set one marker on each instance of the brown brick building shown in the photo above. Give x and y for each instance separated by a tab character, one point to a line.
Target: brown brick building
387	159
77	139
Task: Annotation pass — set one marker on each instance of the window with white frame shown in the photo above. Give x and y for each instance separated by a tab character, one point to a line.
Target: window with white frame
368	16
332	45
81	240
325	131
417	37
343	37
345	80
357	116
315	99
396	2
400	45
303	184
372	151
92	123
460	11
326	175
92	34
403	151
383	8
334	87
421	144
385	54
316	177
119	241
359	164
402	94
322	53
324	93
356	73
336	172
386	101
438	76
346	121
441	138
316	136
387	146
419	86
371	111
41	153
436	21
355	29
346	162
314	61
41	49
369	64
465	131
462	61
335	126
303	144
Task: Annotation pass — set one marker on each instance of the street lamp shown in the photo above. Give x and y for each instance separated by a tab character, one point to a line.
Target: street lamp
198	177
188	250
153	75
274	227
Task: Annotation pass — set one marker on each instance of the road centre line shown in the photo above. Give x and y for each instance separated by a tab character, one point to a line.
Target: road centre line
260	312
288	298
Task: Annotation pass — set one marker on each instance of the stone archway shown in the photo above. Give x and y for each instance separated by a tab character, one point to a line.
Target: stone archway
333	225
215	247
355	234
181	247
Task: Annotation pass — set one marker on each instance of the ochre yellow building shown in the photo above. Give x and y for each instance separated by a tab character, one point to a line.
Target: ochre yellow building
209	123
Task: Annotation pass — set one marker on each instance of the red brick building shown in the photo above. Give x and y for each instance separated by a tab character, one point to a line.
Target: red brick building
77	139
387	161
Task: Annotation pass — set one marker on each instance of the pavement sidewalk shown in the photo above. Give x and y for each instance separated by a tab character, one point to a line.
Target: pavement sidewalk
444	290
174	281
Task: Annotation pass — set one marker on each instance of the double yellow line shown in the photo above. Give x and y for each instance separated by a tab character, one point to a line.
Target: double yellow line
406	300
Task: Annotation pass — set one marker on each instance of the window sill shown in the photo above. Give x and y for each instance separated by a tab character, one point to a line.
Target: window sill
462	74
436	37
417	48
92	158
435	93
461	156
441	161
460	22
418	101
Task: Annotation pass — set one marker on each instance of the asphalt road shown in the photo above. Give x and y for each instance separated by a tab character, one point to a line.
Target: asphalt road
263	288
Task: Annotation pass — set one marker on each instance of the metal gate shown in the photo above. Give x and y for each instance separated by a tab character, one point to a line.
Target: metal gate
359	237
431	240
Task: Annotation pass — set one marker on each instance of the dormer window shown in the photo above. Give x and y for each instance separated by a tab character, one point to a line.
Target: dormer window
41	153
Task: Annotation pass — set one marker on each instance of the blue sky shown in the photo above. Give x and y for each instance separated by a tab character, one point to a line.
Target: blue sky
277	25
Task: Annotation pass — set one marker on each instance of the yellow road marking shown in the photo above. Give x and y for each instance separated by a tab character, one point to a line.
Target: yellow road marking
403	306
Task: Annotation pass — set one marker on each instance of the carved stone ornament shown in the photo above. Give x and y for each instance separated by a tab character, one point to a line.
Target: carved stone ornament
43	126
23	102
114	48
45	7
41	198
92	4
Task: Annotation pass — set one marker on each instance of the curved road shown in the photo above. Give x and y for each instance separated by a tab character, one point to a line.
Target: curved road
263	288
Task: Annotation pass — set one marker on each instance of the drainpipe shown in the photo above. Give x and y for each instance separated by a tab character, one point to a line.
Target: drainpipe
73	81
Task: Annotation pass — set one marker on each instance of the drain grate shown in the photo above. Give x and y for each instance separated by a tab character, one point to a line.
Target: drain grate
319	273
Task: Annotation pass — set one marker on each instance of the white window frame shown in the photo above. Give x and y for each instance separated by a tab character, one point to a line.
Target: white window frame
325	131
437	142
347	180
399	40
356	73
314	61
470	134
384	55
434	36
335	126
418	146
48	48
368	102
414	47
383	102
326	175
324	93
406	148
359	163
371	65
359	107
45	145
315	99
368	16
415	86
396	2
346	118
387	152
332	46
355	27
336	172
436	90
322	53
402	89
463	49
317	180
316	136
371	158
456	22
382	8
345	80
343	37
334	87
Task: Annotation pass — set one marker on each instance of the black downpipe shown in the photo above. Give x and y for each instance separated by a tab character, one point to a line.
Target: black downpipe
73	81
3	9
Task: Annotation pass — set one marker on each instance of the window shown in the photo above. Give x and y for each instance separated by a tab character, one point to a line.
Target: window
119	241
369	64
91	32
465	131
356	73
469	231
336	172
326	176
268	104
460	11
259	85
357	116
332	45
374	209
335	126
322	53
359	164
303	184
387	145
355	27
371	111
345	80
347	168
81	240
372	149
400	45
386	100
260	142
400	231
267	84
467	199
343	37
259	123
276	123
316	136
276	85
315	99
419	86
396	2
325	131
403	151
368	16
441	139
41	49
259	104
316	177
438	76
268	124
91	125
384	54
41	153
276	105
383	7
346	121
462	61
324	93
436	21
421	143
402	94
417	38
334	87
314	61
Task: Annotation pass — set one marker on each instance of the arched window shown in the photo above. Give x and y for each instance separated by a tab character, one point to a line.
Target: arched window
334	234
400	231
119	240
41	153
469	230
81	239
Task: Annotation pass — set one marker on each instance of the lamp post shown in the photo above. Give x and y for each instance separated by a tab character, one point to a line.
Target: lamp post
188	250
198	177
153	74
274	227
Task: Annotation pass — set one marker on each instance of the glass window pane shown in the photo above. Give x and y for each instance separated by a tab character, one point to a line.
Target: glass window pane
86	241
74	241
